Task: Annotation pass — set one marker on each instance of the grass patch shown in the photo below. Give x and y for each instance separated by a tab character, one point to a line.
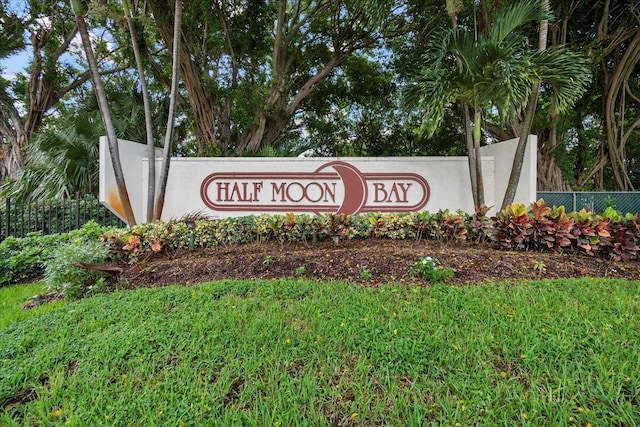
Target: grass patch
295	352
13	297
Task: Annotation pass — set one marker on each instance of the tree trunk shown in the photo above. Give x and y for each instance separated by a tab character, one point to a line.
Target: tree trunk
477	133
44	93
168	139
550	177
148	119
616	84
202	102
452	10
530	111
106	115
471	153
267	129
10	152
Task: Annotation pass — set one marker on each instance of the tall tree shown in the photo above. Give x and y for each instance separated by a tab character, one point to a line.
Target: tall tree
148	117
50	77
105	111
155	204
620	59
250	66
474	161
168	139
529	112
498	71
62	158
61	162
11	41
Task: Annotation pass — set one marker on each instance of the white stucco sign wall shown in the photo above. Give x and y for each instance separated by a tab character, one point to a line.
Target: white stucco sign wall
223	187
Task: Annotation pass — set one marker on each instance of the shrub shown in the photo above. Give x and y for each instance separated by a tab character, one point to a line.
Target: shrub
24	258
514	228
62	275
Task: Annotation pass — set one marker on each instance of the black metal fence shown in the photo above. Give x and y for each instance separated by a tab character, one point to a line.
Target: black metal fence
19	219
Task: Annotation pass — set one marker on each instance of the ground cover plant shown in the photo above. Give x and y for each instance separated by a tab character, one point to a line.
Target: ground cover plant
299	352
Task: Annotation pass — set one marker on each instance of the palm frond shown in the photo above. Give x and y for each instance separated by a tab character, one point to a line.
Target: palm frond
514	16
565	72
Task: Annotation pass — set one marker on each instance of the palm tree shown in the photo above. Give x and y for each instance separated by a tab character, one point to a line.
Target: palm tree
62	158
60	162
148	118
496	71
168	138
112	139
530	110
155	204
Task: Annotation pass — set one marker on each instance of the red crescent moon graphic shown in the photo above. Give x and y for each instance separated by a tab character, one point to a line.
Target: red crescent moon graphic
355	187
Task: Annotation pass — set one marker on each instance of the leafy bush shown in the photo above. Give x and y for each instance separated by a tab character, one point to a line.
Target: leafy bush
514	228
18	260
610	234
62	275
24	258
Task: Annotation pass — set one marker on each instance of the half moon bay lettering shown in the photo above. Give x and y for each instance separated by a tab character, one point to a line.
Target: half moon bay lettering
238	191
335	186
297	192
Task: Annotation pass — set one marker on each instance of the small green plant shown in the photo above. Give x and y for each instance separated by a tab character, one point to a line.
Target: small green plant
610	202
540	267
24	258
300	271
426	268
62	275
99	287
366	274
267	260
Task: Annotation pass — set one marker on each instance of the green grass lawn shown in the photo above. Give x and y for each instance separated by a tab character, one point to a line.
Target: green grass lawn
12	298
295	352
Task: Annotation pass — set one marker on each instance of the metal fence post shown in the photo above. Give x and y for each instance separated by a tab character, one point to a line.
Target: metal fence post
77	211
8	216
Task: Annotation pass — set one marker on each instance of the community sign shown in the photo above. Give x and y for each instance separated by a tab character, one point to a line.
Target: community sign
226	187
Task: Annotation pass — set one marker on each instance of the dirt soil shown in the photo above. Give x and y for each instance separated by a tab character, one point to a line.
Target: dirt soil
368	262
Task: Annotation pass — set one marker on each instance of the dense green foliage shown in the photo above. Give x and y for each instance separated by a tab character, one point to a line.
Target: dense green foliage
63	275
542	228
26	258
294	352
610	234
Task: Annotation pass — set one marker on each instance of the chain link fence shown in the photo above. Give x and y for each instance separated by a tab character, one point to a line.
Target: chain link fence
593	201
